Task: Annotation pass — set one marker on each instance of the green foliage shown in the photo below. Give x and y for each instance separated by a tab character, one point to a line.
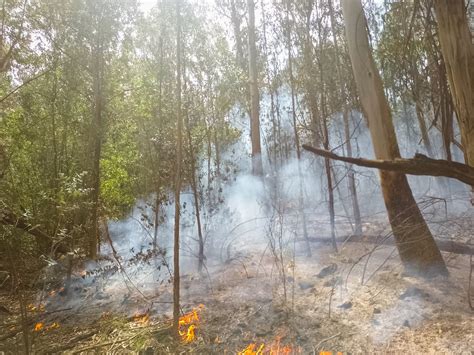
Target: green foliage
48	129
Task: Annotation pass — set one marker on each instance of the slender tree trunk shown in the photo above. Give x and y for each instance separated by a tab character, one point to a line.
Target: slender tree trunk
257	167
238	38
194	187
458	54
351	178
201	256
177	190
446	121
350	171
326	144
272	157
218	153
424	131
417	248
295	131
327	165
97	133
157	177
157	215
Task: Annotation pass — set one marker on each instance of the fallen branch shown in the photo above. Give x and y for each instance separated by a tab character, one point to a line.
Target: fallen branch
419	165
447	246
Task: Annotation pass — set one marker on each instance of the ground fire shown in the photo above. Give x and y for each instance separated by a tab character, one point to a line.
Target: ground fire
188	323
275	348
303	168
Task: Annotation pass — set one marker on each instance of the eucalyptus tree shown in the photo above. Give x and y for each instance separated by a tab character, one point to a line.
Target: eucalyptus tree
257	167
458	52
403	55
416	246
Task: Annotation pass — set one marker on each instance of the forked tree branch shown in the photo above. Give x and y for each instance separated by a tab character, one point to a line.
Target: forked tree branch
419	165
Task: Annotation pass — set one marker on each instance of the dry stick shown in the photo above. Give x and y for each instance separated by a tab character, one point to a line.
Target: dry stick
469	286
72	342
165	263
260	263
122	269
381	265
100	345
327	339
363	256
333	287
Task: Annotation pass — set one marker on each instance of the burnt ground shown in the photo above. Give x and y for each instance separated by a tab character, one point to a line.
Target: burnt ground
334	302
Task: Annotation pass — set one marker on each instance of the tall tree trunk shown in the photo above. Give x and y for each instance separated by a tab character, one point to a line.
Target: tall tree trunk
425	138
97	133
351	178
350	171
257	167
295	130
416	246
177	188
458	54
157	215
157	177
194	181
326	144
238	38
327	165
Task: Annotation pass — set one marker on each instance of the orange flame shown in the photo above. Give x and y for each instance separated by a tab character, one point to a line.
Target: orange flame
274	349
250	350
53	326
39	326
143	319
39	308
187	324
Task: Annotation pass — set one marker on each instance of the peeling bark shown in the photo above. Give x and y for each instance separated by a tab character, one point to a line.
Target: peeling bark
417	249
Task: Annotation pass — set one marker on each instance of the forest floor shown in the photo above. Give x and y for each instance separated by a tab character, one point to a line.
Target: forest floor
332	303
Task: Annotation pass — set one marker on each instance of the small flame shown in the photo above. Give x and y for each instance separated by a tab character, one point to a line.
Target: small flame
250	350
143	319
53	326
39	326
188	324
39	308
274	348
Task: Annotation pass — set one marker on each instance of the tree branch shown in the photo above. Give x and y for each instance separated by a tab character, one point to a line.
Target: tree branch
419	165
26	82
9	218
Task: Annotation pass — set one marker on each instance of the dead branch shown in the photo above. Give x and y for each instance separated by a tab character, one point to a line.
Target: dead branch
326	339
71	344
419	165
101	345
447	246
9	218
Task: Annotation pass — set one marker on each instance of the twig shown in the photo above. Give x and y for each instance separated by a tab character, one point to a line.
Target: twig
26	82
326	339
469	286
72	342
100	345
